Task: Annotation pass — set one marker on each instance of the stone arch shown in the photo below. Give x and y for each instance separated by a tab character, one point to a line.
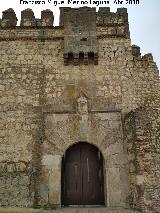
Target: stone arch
98	146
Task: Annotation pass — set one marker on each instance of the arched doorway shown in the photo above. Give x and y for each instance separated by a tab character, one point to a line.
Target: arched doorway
82	176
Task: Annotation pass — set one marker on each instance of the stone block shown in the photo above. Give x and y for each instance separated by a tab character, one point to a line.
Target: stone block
53	161
2	87
11	167
55	187
148	57
9	18
2	167
44	191
47	18
140	179
27	18
114	186
20	167
136	51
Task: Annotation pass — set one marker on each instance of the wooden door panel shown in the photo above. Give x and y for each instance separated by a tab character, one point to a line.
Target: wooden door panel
83	176
91	165
73	182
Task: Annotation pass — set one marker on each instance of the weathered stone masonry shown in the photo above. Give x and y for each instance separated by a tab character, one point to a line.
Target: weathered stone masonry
81	81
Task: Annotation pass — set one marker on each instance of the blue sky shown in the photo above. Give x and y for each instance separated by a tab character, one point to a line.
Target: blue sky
144	20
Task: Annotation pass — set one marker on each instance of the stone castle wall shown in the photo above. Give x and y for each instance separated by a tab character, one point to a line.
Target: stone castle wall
141	137
36	85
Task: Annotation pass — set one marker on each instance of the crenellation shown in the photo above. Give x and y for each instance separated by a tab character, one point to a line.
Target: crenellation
105	17
102	13
117	22
61	18
47	18
136	51
27	18
122	11
9	18
148	57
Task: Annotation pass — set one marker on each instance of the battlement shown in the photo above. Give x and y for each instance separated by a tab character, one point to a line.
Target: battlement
103	18
28	19
136	52
80	29
9	18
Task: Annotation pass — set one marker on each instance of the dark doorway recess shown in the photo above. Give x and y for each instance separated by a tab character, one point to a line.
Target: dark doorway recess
82	176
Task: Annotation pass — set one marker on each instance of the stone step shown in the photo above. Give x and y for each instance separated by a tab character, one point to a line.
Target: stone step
65	210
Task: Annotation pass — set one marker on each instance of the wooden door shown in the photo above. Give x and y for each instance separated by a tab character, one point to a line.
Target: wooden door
82	176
